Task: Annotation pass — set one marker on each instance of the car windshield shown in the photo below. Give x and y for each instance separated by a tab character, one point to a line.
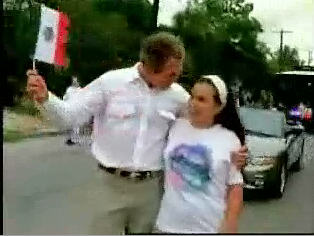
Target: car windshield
264	123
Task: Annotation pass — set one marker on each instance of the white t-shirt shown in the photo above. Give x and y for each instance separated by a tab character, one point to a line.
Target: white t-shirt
198	171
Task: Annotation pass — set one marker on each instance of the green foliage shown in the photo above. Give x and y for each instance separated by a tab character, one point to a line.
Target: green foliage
221	38
19	37
12	136
25	106
288	60
103	35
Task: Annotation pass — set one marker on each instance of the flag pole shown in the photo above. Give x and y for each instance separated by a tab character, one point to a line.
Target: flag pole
34	67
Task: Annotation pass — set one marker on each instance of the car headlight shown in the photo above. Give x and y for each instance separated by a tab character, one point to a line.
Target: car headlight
264	160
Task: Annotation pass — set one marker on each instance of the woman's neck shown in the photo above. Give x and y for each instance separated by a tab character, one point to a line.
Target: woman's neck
201	124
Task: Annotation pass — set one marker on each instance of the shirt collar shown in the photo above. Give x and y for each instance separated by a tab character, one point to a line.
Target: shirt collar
137	77
135	73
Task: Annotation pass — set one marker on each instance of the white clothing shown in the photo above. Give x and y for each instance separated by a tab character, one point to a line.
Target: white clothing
70	92
131	121
198	170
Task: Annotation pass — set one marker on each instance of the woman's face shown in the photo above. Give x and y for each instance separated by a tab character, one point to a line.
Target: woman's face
202	106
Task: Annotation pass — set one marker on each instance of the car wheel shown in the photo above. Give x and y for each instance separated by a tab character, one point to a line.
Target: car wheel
281	181
299	165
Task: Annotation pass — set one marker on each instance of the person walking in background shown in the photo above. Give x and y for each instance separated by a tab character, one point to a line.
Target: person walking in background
74	133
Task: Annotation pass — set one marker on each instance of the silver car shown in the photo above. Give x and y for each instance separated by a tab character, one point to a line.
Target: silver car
268	139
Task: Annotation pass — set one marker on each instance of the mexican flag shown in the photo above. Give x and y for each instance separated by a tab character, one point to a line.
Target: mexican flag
52	37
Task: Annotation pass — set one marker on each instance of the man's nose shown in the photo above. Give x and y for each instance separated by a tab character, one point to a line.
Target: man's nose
173	74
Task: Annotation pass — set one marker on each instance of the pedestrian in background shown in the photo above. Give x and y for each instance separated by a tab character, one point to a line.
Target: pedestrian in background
73	135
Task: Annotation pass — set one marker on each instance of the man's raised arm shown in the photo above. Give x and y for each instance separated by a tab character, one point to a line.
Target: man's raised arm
73	112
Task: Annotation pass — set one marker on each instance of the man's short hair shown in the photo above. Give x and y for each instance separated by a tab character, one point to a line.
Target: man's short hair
157	48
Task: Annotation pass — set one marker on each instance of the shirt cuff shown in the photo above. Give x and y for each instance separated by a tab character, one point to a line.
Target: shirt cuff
235	177
50	102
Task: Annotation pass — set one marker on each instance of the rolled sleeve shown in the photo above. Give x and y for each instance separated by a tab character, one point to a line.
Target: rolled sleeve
52	109
235	176
78	108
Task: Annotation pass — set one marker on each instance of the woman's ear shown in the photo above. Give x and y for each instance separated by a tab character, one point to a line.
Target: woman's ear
218	109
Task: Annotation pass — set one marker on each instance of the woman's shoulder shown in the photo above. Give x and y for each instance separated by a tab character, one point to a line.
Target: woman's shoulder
182	126
228	136
180	123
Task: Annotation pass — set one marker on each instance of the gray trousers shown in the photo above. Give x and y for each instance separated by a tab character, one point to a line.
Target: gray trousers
130	206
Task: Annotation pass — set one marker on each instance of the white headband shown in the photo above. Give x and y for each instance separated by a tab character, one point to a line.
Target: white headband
220	86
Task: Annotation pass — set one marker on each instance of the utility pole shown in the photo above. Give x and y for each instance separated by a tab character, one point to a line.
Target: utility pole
281	45
155	14
310	58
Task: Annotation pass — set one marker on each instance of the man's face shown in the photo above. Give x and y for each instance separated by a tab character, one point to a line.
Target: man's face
169	74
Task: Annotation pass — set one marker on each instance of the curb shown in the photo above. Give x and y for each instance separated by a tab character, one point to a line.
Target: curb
47	133
39	133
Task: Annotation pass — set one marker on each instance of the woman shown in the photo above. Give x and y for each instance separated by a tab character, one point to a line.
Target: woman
203	189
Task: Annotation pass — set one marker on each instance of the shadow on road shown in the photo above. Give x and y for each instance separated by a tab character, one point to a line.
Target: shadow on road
256	195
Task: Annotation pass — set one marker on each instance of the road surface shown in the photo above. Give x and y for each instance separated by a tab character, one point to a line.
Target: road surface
51	188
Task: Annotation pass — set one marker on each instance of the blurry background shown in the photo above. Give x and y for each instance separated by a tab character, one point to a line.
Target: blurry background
261	48
237	39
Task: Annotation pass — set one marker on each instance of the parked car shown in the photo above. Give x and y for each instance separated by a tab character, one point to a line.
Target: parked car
268	138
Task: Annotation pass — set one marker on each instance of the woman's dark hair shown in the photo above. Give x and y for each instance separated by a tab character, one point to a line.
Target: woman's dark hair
228	117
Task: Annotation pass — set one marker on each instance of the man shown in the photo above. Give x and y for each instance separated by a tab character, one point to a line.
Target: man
133	109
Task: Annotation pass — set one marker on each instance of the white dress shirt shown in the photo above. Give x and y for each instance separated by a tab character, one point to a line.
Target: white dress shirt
131	121
69	92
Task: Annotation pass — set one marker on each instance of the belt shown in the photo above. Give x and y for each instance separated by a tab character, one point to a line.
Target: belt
140	175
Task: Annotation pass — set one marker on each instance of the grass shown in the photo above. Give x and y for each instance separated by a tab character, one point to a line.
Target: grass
13	136
25	106
20	123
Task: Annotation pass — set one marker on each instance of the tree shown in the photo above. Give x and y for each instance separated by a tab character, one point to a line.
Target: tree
103	35
155	14
289	59
19	36
221	38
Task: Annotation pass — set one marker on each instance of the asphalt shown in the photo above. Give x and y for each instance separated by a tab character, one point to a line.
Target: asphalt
51	188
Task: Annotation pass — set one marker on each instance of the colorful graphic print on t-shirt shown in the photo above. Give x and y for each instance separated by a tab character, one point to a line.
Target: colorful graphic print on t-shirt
190	166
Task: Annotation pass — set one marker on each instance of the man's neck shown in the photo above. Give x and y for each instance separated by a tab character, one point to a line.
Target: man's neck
143	75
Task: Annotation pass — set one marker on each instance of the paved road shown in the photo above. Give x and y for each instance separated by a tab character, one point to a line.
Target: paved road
50	188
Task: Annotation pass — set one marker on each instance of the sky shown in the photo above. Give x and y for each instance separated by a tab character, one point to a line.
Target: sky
291	15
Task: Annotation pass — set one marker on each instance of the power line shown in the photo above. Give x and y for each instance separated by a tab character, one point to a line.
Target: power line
281	44
281	36
310	58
